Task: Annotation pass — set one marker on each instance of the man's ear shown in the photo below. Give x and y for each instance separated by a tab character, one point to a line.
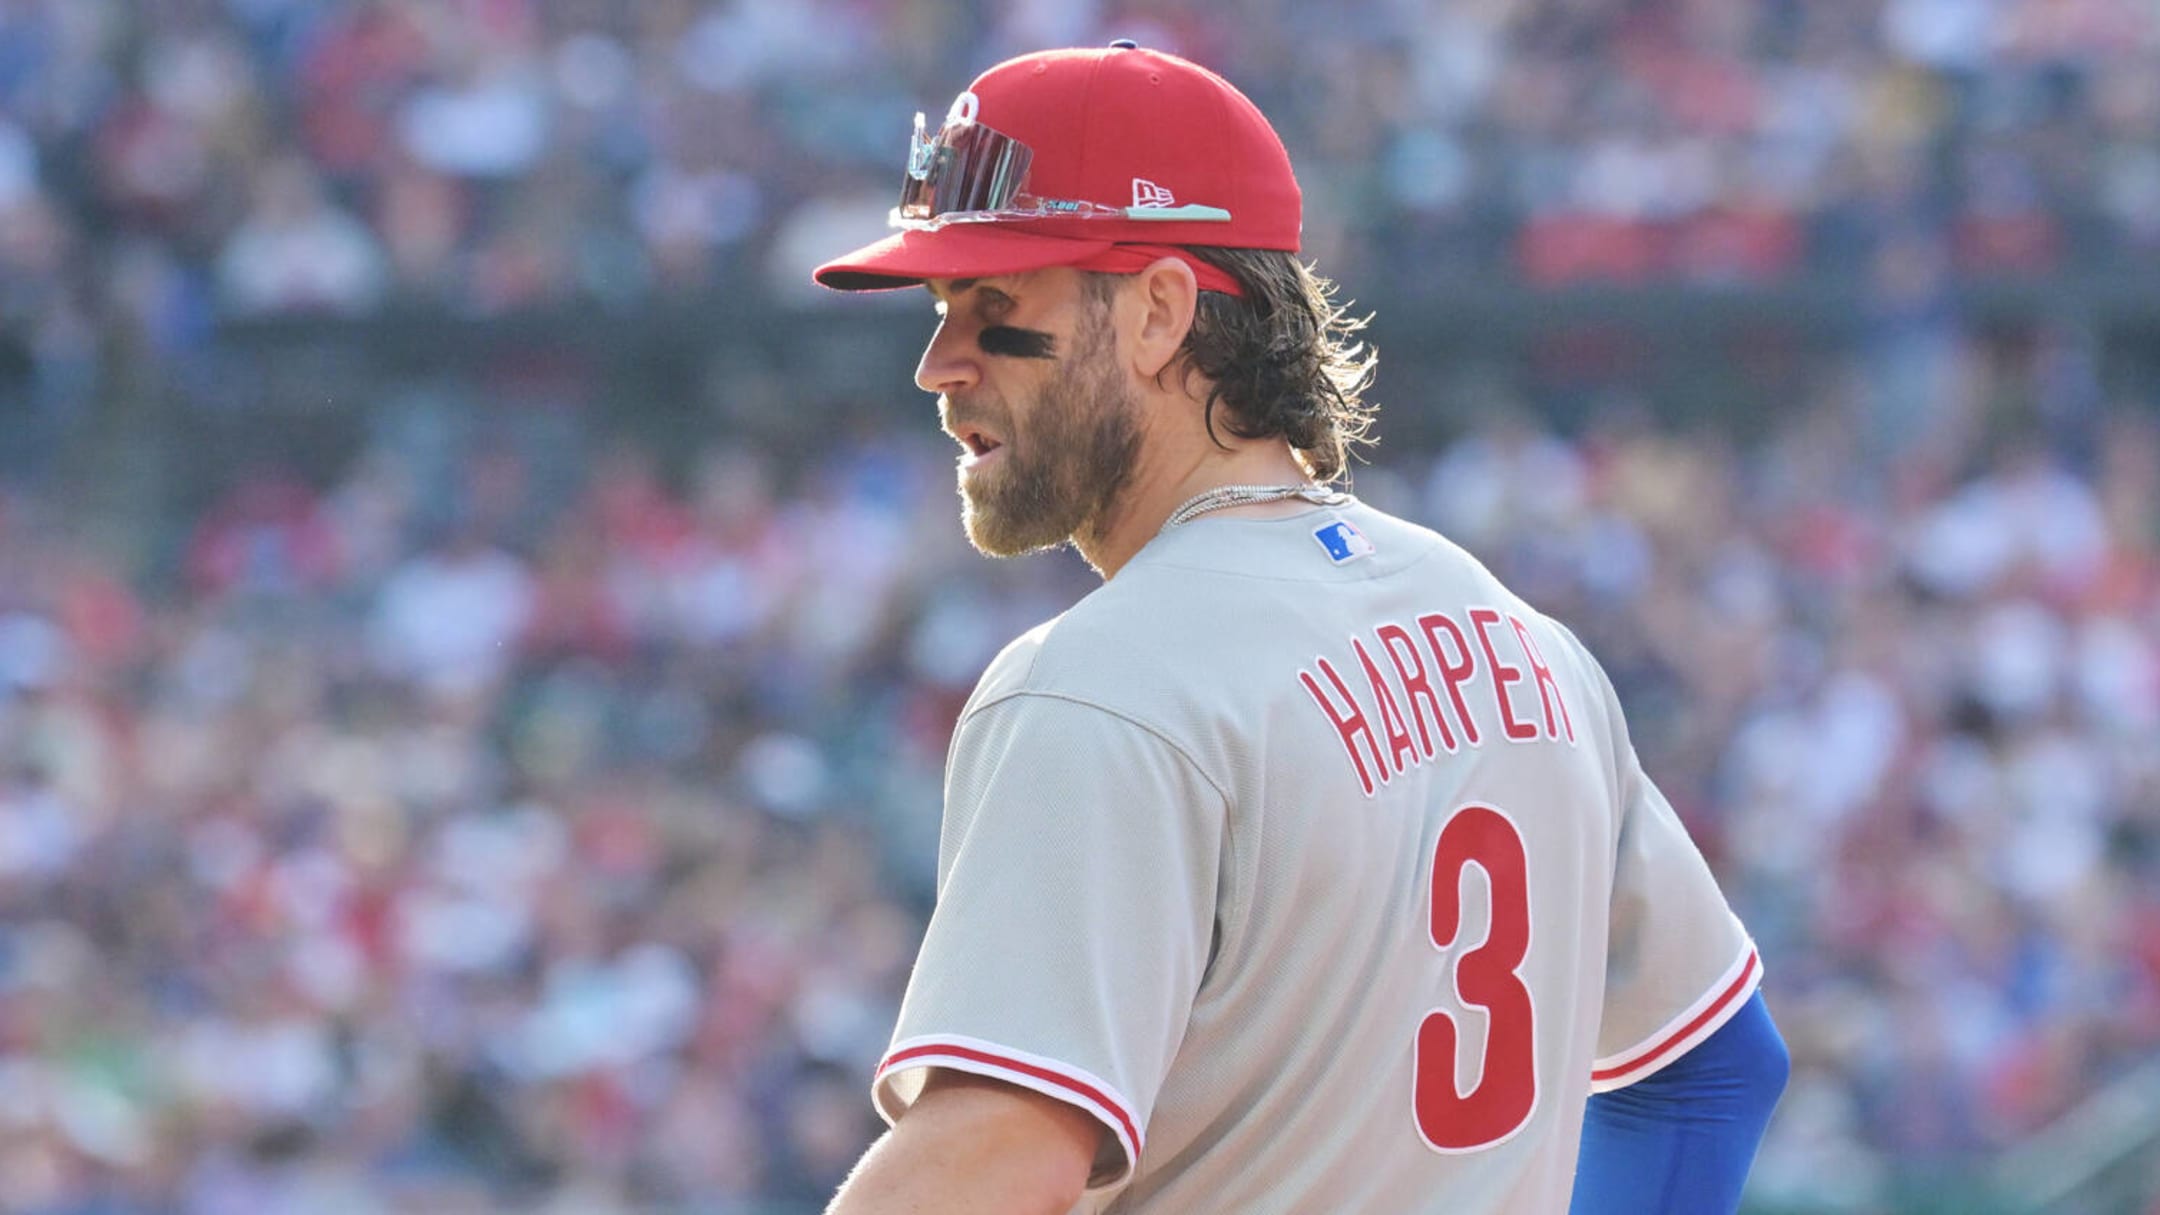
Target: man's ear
1162	299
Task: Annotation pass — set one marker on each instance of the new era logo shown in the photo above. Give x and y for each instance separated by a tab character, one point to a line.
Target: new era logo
1343	542
1146	193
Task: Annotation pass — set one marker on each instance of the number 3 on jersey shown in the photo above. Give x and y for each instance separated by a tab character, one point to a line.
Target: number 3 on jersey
1505	1091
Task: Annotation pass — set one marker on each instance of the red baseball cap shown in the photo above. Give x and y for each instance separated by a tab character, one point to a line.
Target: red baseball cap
1097	159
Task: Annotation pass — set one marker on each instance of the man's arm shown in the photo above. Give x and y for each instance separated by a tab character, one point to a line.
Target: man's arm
1680	1141
972	1145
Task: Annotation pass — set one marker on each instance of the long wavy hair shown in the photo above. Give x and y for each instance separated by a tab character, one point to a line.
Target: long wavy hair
1283	360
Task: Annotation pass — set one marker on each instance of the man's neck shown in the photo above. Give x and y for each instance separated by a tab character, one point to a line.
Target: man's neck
1140	511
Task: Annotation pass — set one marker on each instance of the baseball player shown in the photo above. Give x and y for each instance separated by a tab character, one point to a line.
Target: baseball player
1302	867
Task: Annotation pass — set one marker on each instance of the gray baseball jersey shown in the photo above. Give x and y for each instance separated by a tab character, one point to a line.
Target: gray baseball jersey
1317	867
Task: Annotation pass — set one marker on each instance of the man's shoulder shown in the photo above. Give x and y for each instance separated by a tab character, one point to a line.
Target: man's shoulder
1076	653
1203	614
1138	647
1014	667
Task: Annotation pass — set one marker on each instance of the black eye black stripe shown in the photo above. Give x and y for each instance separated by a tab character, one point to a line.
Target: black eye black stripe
1008	341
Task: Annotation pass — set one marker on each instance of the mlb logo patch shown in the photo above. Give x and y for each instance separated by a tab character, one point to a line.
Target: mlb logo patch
1343	542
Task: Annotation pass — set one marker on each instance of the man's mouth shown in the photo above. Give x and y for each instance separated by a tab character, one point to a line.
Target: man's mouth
977	444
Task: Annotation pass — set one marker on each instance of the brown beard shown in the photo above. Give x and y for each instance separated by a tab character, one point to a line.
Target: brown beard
1059	476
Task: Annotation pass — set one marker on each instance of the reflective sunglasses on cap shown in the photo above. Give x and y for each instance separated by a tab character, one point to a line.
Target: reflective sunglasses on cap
971	173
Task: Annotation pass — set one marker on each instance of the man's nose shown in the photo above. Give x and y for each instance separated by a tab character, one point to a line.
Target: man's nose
948	363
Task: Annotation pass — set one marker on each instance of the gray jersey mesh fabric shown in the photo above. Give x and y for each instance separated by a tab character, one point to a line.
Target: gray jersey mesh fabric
1318	867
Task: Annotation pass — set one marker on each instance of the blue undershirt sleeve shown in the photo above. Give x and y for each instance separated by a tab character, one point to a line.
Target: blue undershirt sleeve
1680	1141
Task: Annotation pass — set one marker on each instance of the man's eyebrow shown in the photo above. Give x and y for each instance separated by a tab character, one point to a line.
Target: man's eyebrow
957	287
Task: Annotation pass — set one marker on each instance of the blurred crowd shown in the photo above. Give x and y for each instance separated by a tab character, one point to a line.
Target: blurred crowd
185	160
501	816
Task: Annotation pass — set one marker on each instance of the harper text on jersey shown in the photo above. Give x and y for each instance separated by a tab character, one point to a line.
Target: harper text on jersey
1423	709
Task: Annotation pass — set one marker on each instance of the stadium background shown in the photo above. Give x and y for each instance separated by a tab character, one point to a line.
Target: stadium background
478	632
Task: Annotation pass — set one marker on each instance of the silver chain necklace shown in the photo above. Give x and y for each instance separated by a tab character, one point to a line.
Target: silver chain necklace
1224	496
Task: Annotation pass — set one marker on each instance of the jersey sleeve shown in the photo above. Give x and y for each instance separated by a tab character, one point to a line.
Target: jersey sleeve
1679	962
1075	914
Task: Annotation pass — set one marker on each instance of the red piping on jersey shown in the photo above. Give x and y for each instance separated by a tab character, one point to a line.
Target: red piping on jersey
1725	999
1132	1131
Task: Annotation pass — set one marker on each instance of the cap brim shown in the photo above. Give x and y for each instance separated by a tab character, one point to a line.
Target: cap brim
967	250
